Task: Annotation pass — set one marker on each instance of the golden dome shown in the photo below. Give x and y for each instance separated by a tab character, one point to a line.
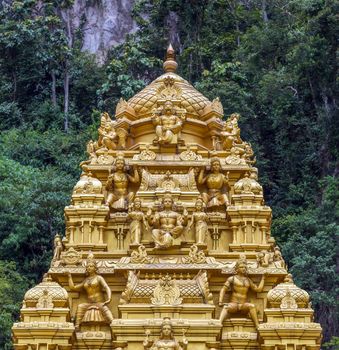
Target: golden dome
146	100
58	295
248	184
285	289
87	185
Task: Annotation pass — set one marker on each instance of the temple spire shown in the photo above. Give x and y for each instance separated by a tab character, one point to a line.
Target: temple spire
170	65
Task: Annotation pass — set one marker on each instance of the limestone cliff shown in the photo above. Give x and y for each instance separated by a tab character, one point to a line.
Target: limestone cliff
102	23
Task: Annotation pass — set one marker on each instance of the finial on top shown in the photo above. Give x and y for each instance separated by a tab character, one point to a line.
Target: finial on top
170	65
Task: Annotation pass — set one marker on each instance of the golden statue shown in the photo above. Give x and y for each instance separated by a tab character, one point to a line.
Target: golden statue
138	220
107	135
215	182
91	149
169	224
239	285
234	157
231	132
277	258
58	248
167	124
174	138
166	341
199	221
96	309
118	196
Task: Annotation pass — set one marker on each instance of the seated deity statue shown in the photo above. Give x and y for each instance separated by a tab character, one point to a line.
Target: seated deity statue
167	124
230	134
215	181
96	309
167	223
199	221
166	341
138	221
239	286
234	157
118	196
107	134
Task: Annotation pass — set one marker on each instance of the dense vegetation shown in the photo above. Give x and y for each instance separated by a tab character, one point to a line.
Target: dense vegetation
271	61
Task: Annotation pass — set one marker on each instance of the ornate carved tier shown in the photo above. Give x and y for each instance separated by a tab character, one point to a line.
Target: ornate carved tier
170	204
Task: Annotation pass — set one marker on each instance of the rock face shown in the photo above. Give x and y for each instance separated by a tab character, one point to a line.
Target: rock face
102	23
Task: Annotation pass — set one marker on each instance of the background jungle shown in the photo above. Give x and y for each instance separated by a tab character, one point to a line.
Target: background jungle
271	61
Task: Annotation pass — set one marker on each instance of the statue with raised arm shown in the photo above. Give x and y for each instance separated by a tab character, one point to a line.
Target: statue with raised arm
166	341
239	286
96	309
230	134
167	124
215	181
118	196
108	137
167	224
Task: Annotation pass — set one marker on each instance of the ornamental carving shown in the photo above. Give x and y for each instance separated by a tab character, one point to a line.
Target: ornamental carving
189	155
195	256
45	301
140	256
166	292
71	257
171	205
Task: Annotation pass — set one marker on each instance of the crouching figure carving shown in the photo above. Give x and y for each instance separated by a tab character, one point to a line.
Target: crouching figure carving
96	309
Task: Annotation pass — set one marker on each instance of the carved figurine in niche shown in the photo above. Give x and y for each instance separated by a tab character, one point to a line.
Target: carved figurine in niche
91	150
199	221
138	221
248	156
96	309
215	181
58	248
234	157
239	286
118	196
107	134
230	134
264	258
167	124
166	340
277	258
167	224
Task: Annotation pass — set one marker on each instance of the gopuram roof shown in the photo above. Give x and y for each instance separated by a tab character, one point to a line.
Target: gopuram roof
168	239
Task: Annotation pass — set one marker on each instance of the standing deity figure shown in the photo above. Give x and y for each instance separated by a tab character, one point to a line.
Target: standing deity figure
166	341
231	132
215	182
138	220
118	196
58	248
277	258
167	124
168	223
239	285
107	134
96	309
199	221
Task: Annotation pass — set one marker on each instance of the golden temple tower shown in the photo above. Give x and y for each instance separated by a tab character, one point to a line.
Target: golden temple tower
167	242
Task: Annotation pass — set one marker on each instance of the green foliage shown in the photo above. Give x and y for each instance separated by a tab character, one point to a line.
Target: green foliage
12	289
333	343
30	206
